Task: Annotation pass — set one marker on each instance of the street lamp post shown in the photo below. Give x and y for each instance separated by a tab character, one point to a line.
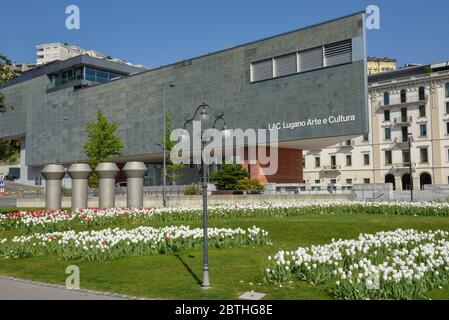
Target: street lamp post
164	178
204	110
410	136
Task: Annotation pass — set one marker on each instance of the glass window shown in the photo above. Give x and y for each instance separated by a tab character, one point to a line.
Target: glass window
447	107
387	133
423	130
317	181
404	134
405	156
348	181
349	161
90	74
424	155
447	90
365	137
386	98
317	162
367	181
102	76
333	161
386	115
422	111
403	96
388	157
366	159
422	93
447	127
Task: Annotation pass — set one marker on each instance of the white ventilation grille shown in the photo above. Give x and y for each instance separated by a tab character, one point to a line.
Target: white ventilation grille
262	70
285	65
311	59
338	53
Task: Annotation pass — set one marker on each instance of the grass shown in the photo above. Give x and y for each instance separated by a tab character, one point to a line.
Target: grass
233	271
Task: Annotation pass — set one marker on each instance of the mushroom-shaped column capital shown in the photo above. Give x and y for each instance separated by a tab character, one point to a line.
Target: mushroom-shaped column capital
135	169
53	172
107	170
79	171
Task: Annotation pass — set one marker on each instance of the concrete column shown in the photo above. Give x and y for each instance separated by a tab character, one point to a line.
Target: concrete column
53	175
79	173
107	172
135	171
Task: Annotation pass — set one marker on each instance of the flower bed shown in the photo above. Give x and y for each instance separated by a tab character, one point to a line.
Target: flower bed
402	264
114	243
49	221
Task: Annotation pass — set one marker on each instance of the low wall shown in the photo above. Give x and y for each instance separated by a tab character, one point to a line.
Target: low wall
185	201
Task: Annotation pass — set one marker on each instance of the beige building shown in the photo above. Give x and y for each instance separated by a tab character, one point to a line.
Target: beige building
50	52
411	102
378	65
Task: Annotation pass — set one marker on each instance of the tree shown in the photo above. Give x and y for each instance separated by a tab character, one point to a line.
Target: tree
173	170
7	73
103	143
229	176
9	150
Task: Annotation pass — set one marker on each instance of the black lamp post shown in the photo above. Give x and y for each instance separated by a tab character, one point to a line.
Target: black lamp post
410	137
204	112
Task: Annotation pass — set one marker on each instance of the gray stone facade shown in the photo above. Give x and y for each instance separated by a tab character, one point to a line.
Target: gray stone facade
54	123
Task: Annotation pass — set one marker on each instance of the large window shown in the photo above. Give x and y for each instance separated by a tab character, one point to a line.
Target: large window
386	115
422	93
422	111
404	134
80	73
386	98
348	160
317	162
423	130
403	96
405	157
447	90
388	157
366	159
99	76
387	133
424	155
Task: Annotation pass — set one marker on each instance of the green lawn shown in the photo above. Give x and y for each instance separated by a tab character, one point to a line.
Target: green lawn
232	271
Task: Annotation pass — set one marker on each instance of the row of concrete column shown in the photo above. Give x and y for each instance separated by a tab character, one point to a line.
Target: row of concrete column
53	174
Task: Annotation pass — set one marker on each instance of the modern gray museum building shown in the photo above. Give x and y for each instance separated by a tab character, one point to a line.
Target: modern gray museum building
317	72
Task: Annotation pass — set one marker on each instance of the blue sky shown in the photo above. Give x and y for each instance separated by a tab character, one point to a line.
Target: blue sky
161	32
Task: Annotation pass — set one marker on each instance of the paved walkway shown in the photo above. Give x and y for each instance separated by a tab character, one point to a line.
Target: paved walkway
16	289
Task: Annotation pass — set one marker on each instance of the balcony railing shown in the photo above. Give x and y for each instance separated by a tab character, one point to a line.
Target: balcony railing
404	165
347	144
403	120
332	168
410	99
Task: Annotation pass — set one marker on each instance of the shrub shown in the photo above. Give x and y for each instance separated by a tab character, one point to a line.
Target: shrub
192	190
249	185
228	176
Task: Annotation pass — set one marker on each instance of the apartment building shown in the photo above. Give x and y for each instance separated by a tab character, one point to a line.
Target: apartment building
57	51
377	65
410	105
